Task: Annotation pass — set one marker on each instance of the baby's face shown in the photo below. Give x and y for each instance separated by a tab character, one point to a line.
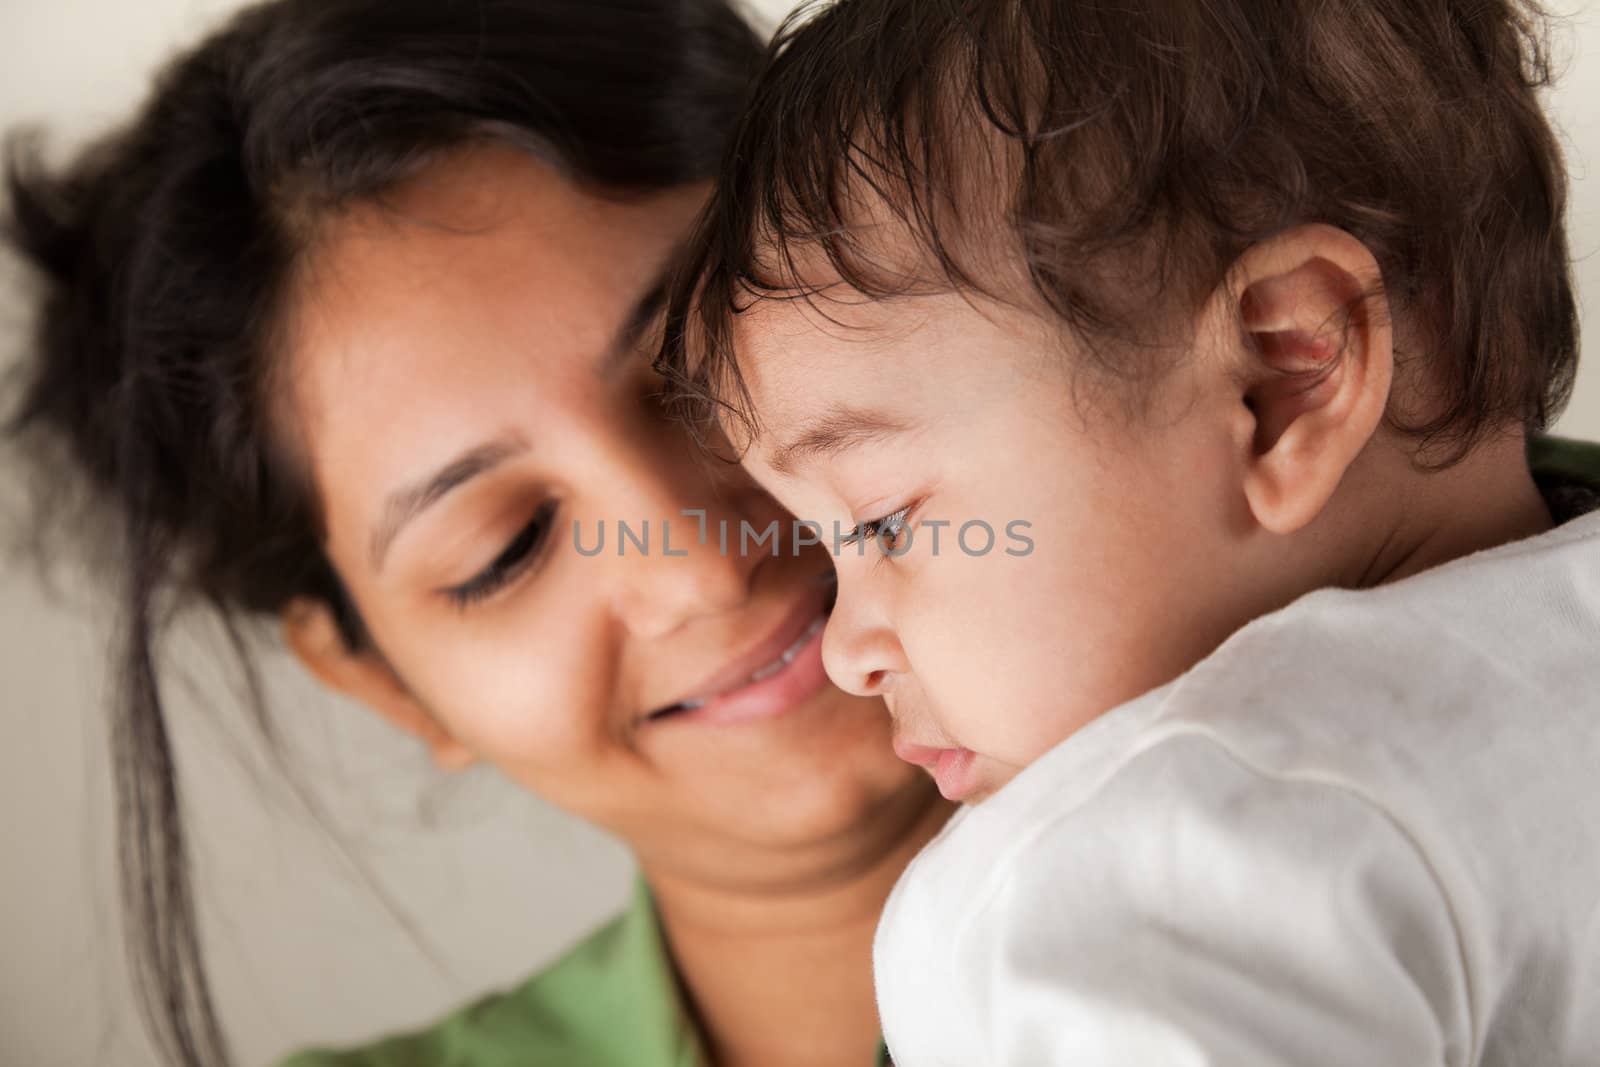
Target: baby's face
1048	557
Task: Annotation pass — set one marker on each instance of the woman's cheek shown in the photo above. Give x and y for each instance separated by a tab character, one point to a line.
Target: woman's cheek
522	715
482	691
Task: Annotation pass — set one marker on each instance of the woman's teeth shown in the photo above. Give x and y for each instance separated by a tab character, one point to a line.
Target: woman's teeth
787	656
784	658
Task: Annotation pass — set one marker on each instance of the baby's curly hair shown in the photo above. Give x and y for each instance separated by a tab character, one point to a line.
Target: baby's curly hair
1121	154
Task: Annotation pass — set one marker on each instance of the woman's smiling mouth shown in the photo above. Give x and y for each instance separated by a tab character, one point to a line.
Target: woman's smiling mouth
781	672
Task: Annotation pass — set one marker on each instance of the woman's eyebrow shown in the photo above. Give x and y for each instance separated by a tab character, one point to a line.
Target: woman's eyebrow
843	428
406	503
645	311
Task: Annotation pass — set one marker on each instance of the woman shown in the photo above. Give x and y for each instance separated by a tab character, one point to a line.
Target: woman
350	328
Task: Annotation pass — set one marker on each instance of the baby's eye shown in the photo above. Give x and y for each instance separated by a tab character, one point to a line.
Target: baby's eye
889	532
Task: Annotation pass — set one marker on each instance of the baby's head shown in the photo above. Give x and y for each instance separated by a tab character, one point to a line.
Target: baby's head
1116	324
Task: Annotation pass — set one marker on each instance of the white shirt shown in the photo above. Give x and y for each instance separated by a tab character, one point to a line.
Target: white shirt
1364	832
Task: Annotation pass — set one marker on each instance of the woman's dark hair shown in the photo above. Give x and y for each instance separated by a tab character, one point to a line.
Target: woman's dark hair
1123	153
165	252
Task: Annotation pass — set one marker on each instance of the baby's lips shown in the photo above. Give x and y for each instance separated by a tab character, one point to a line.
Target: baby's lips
921	755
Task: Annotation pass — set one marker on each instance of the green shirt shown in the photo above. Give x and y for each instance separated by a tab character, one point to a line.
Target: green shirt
613	1001
1567	473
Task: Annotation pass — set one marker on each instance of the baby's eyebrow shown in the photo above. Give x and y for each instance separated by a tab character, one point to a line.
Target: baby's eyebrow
836	431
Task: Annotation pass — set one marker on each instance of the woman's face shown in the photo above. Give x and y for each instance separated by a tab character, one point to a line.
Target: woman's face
465	390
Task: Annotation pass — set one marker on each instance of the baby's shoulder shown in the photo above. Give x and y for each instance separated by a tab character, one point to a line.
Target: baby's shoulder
1412	703
1443	660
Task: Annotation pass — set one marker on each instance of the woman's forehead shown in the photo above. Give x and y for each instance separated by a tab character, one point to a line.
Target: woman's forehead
434	319
488	250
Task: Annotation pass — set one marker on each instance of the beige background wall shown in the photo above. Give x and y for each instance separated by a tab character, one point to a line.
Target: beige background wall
303	951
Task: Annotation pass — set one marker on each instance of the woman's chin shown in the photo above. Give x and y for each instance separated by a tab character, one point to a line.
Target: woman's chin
809	833
855	800
803	791
820	776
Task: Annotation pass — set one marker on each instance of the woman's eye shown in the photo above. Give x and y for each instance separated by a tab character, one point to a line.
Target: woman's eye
509	564
888	532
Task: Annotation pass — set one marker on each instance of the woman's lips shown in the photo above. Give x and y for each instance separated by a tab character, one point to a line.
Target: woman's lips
783	671
954	769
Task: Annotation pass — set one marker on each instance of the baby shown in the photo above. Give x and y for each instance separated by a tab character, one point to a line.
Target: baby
1284	692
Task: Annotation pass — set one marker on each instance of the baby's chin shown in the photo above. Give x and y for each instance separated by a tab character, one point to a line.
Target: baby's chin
993	777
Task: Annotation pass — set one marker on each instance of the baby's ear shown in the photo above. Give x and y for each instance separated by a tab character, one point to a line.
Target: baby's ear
1313	358
313	635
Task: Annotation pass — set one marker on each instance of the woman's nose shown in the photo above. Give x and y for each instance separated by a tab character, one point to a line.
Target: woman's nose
860	649
687	564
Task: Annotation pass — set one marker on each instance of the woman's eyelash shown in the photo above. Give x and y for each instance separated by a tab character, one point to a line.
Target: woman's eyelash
876	528
511	562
